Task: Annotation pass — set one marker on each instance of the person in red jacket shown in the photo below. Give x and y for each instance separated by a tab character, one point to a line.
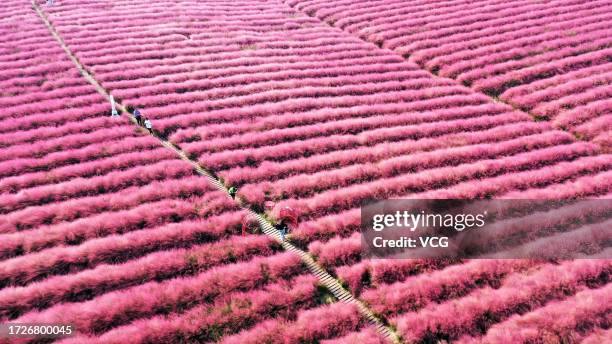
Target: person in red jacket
287	219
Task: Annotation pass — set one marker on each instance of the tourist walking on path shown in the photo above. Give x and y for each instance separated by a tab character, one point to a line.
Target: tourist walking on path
114	112
283	229
148	125
287	218
232	191
138	117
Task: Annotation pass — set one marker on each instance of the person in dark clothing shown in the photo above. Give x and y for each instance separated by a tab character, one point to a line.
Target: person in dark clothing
283	228
232	191
138	117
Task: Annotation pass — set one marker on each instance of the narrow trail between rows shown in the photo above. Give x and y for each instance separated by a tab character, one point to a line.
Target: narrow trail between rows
322	275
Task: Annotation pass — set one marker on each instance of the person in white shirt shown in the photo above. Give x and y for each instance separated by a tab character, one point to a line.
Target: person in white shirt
114	112
148	125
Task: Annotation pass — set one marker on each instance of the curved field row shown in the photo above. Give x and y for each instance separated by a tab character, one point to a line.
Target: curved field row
228	315
295	310
366	336
570	296
116	248
172	295
79	208
598	336
548	58
106	277
97	167
310	326
570	319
